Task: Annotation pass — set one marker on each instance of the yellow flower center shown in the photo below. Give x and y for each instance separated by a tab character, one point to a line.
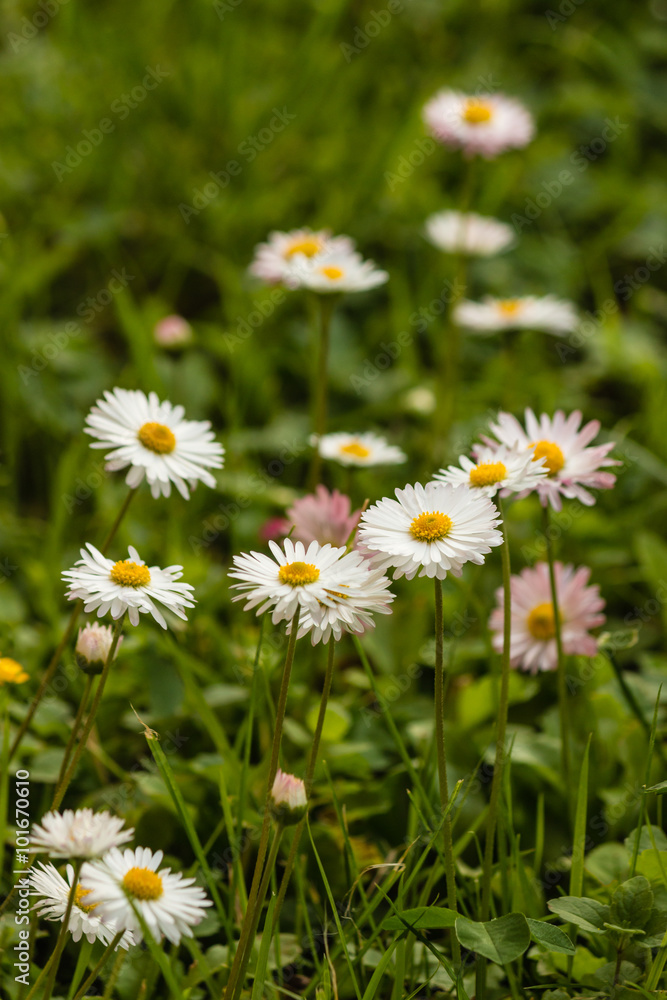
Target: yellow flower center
355	448
157	438
130	574
308	247
509	307
542	621
554	458
79	893
332	272
487	474
476	112
142	883
298	574
11	672
430	526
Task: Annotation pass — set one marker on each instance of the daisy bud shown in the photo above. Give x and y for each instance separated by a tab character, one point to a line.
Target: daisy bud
172	331
288	798
92	647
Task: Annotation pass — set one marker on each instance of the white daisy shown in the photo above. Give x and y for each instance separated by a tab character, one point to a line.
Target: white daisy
127	585
571	466
47	882
80	834
358	449
334	271
434	529
169	904
545	313
360	592
272	259
487	125
154	440
468	233
508	470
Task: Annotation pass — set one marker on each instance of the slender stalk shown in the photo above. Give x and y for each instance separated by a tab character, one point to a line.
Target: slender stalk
562	671
326	304
499	761
242	956
69	774
261	896
64	931
55	659
157	954
450	868
115	972
100	965
75	727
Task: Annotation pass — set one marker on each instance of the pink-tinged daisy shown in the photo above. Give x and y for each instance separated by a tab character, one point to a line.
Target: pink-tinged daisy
358	449
48	883
273	258
545	313
322	517
496	470
485	125
432	529
533	639
172	331
468	233
289	801
572	467
334	271
78	834
169	904
154	440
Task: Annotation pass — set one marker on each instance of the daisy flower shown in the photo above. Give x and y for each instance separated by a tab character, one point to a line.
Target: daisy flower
545	313
486	125
272	259
468	233
358	449
288	798
47	882
322	517
363	591
80	834
508	470
11	672
127	585
334	271
169	904
562	444
533	639
433	529
154	440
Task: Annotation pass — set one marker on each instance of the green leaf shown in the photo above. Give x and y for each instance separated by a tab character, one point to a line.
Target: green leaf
586	913
421	918
577	870
550	937
631	903
655	928
645	842
660	788
501	940
652	864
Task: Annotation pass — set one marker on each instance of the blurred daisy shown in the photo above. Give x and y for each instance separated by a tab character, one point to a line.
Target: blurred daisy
80	834
545	313
169	904
272	259
127	585
47	882
433	529
508	470
11	672
533	639
458	232
322	517
288	798
172	331
154	440
334	271
358	449
558	440
487	125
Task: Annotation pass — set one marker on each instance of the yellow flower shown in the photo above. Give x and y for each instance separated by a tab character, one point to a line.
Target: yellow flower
11	672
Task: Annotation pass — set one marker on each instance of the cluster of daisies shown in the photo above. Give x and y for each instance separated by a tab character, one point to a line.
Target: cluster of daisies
117	892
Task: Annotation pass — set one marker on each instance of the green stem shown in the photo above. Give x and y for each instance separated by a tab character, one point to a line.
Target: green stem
69	774
261	895
100	965
562	669
326	307
242	956
450	868
75	728
115	972
157	954
64	930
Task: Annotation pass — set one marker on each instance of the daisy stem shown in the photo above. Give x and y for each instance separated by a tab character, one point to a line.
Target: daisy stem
99	690
326	306
499	761
115	972
261	896
450	869
100	965
64	930
242	955
310	773
562	672
75	727
55	659
157	953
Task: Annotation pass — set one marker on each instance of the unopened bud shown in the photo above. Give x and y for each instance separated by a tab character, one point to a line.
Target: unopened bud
288	798
92	647
172	331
